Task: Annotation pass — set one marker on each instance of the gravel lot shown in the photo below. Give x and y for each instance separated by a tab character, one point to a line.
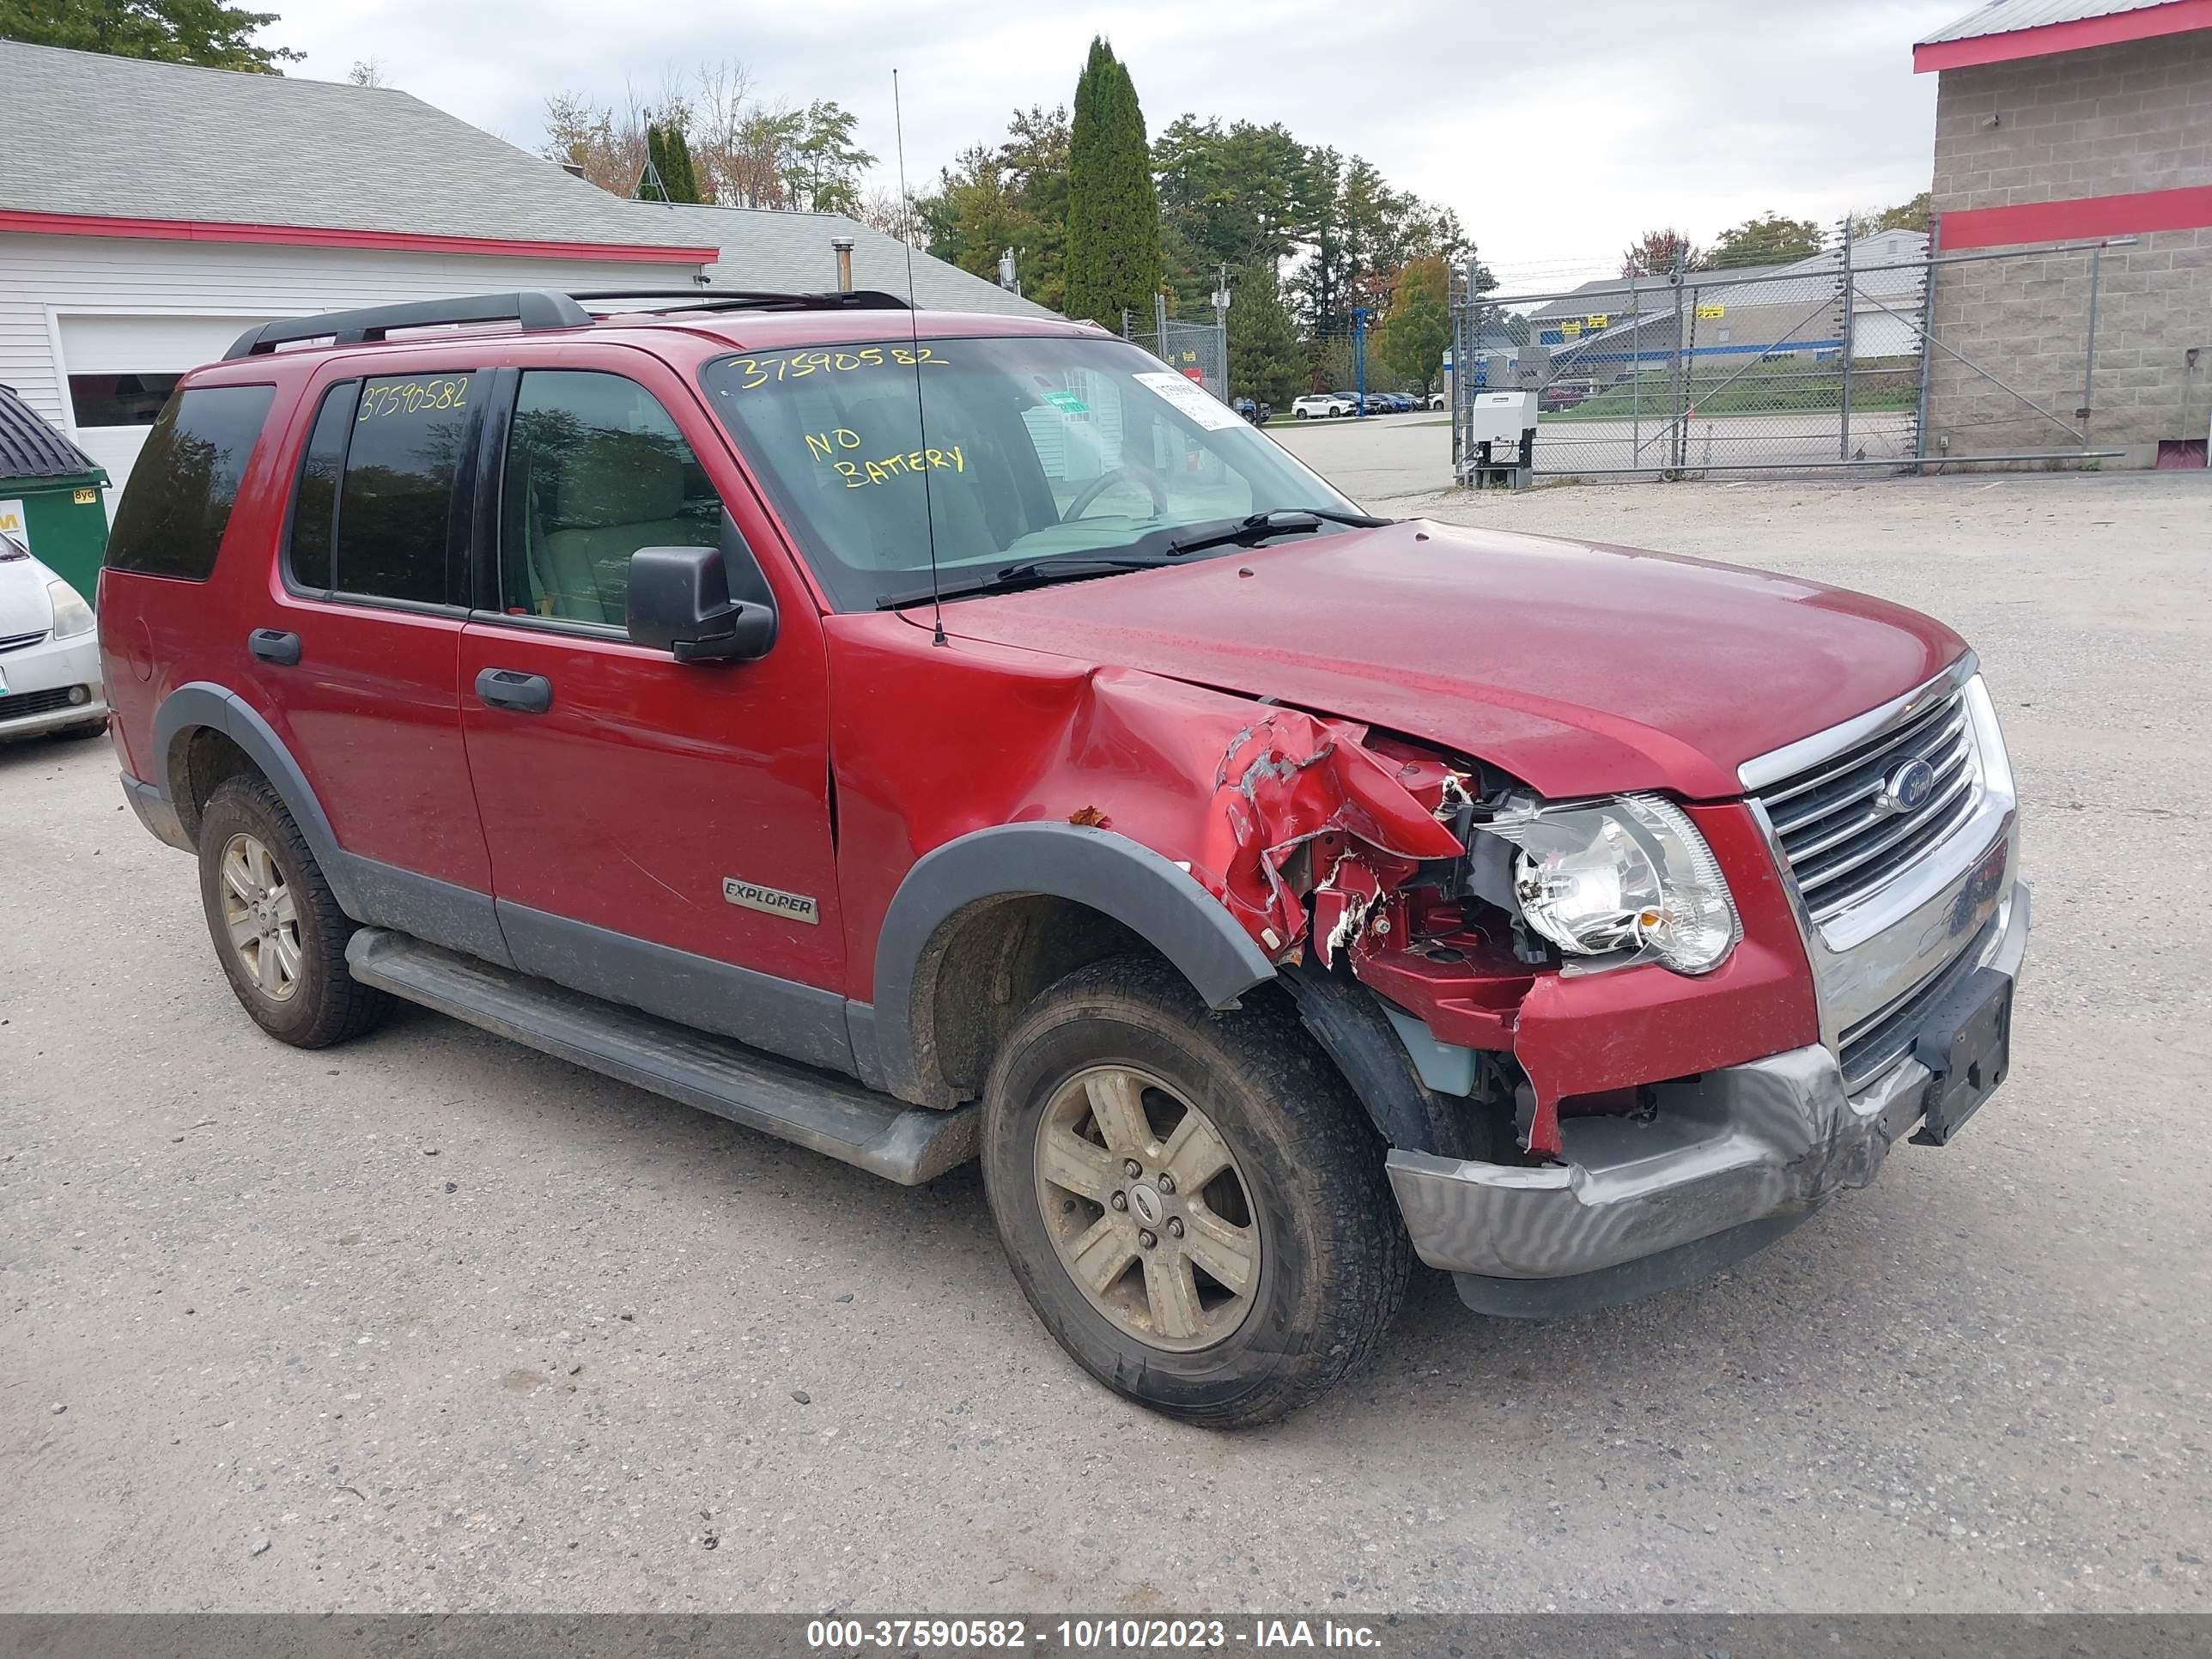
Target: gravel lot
452	1325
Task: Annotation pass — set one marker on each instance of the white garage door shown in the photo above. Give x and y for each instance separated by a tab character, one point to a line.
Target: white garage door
119	370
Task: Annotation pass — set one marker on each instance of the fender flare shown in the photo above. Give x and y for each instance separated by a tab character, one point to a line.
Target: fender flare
1151	895
203	703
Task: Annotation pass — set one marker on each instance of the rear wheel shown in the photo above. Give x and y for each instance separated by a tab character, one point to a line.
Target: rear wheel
1193	1203
279	934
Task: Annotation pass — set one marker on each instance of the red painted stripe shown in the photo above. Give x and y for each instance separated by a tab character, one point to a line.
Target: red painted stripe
2075	220
2146	23
391	241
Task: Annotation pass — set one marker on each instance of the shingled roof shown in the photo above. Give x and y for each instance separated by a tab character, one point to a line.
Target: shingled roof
29	448
123	138
764	248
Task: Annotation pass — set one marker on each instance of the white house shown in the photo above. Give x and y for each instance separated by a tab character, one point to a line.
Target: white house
150	213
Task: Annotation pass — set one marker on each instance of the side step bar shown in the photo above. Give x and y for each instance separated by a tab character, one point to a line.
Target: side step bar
816	1109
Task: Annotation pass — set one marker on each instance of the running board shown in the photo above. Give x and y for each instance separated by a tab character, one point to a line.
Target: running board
816	1109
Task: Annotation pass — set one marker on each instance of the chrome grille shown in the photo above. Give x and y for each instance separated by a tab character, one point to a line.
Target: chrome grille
1884	1036
1842	842
17	641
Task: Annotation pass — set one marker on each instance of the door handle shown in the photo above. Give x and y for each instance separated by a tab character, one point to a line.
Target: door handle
510	687
274	645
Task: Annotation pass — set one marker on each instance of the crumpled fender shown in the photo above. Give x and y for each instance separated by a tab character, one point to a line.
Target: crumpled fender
1291	784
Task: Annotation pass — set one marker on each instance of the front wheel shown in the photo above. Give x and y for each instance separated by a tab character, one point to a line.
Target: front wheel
1195	1203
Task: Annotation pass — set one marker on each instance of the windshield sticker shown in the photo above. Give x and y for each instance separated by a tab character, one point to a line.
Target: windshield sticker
797	365
1190	398
1067	403
859	475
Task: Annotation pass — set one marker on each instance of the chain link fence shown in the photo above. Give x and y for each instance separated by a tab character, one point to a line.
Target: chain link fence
1827	362
1198	351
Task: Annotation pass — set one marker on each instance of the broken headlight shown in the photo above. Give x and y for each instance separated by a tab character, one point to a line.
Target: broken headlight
1627	875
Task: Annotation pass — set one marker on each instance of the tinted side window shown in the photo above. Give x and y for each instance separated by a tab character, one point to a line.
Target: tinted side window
396	496
174	509
595	470
315	502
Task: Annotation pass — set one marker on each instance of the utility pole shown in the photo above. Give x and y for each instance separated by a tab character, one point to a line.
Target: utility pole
1359	316
1221	327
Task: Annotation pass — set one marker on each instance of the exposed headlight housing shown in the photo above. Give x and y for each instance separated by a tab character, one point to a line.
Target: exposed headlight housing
72	616
1629	877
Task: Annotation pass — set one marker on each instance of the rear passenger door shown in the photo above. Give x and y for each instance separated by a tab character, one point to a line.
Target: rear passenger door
353	659
626	797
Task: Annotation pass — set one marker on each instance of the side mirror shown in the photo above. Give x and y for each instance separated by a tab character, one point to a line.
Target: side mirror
679	602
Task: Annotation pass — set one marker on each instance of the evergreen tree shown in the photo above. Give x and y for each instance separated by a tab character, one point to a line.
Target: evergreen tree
1113	213
673	176
1265	359
652	182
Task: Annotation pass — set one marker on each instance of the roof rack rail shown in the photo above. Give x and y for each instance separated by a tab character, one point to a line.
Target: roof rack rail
747	299
534	309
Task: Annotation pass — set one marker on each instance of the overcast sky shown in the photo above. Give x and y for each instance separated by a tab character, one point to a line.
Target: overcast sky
1559	130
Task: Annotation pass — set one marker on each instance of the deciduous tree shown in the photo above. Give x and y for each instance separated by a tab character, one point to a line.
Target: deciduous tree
1768	239
1656	252
1418	326
204	32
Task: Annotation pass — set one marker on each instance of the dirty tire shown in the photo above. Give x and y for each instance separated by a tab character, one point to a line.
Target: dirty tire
1333	1255
326	1004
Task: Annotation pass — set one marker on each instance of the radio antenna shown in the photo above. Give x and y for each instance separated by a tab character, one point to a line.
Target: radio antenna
913	335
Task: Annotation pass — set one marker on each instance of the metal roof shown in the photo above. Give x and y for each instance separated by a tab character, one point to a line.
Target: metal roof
1658	290
2003	17
763	248
122	137
29	448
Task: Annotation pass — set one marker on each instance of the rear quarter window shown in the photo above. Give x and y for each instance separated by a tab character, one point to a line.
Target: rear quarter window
176	505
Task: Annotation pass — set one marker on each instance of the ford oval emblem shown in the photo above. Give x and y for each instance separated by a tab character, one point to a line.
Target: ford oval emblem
1907	788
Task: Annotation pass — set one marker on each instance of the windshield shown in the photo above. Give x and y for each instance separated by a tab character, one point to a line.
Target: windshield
1031	449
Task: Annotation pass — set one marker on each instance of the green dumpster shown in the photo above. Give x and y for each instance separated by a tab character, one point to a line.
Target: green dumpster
50	496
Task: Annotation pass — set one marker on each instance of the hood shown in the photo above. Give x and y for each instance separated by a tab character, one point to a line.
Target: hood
24	606
1580	668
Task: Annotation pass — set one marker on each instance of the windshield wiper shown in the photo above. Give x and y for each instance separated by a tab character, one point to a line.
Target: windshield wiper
1275	521
1032	573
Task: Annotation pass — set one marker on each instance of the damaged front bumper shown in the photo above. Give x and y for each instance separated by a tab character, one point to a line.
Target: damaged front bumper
1727	1162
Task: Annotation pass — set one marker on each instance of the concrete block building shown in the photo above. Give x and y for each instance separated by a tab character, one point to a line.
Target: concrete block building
2063	122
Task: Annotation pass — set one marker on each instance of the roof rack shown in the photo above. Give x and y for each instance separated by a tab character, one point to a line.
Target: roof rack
534	309
537	309
746	299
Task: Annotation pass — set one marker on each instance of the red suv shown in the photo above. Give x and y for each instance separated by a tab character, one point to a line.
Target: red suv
929	736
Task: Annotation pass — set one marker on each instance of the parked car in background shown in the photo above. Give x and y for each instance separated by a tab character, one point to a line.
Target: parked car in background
929	738
50	676
1438	400
1254	410
1321	405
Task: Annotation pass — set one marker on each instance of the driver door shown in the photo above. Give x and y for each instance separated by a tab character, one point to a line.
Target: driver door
631	803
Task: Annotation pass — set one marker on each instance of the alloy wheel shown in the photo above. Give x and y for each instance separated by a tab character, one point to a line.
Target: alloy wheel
1146	1207
259	916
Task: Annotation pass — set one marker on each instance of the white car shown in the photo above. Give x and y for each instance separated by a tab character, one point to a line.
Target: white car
49	652
1320	406
1438	400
